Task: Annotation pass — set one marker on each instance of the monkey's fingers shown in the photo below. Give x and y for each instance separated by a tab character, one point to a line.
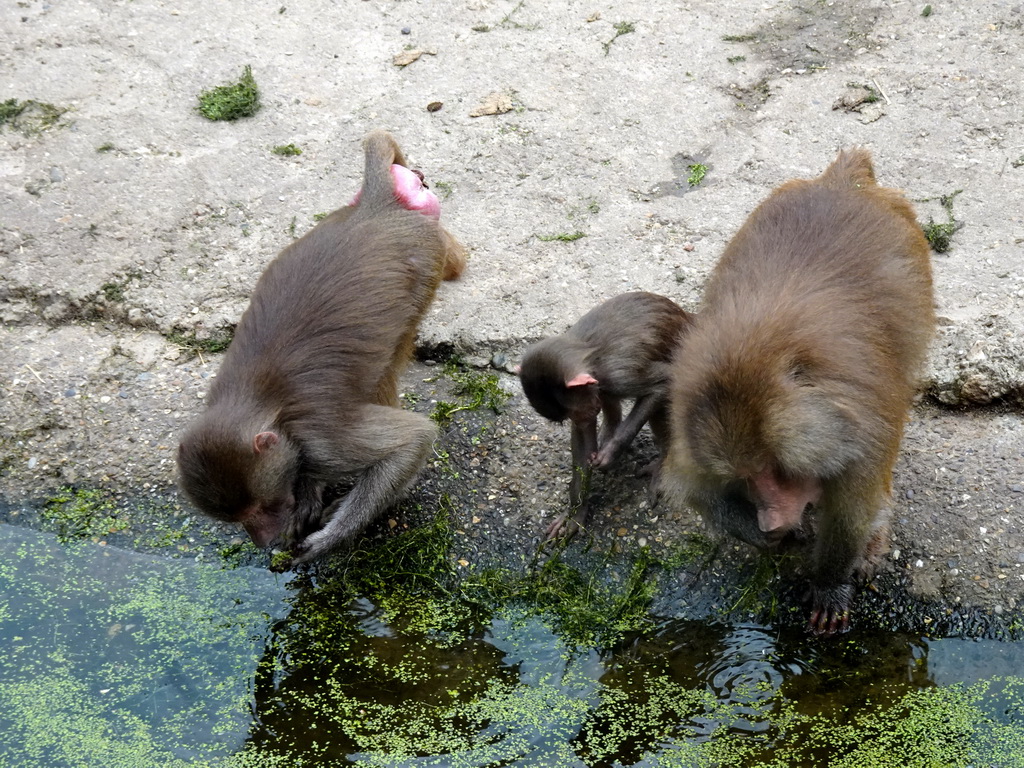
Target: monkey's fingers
830	610
604	458
564	527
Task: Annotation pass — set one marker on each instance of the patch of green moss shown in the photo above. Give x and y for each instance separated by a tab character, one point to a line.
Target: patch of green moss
739	38
563	237
82	514
939	235
194	346
286	150
318	217
475	389
232	101
30	116
106	147
735	59
926	11
697	173
443	189
621	28
113	291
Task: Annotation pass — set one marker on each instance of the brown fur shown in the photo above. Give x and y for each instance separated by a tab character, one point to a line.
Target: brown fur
625	346
793	386
307	394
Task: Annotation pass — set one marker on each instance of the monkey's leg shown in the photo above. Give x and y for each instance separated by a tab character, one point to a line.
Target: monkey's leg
611	410
389	447
659	427
454	256
584	443
627	431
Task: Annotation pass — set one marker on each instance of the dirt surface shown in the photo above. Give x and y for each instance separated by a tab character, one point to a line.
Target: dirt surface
132	222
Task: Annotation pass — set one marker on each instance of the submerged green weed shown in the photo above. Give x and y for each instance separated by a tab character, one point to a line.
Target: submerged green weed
589	609
230	102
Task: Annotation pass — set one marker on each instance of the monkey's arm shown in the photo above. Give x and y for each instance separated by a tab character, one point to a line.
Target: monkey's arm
391	445
584	443
309	506
848	519
626	431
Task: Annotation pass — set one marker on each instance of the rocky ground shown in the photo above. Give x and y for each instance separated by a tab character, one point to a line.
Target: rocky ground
133	229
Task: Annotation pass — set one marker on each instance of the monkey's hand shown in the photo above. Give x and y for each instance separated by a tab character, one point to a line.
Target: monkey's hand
566	526
830	610
605	457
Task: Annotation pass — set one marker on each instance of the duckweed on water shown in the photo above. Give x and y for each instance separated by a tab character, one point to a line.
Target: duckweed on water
130	661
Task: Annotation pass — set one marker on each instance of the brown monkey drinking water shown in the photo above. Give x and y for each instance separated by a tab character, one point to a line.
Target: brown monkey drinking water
620	349
791	389
307	393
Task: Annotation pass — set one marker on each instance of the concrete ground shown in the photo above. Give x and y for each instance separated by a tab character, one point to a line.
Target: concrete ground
129	223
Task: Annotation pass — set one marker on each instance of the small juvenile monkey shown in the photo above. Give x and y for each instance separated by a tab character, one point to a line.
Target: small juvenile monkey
620	349
791	389
307	394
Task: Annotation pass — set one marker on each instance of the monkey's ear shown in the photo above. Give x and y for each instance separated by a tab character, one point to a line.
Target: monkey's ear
517	369
580	380
264	441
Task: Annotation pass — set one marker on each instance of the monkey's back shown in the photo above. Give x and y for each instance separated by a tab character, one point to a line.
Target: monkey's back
630	339
331	311
829	280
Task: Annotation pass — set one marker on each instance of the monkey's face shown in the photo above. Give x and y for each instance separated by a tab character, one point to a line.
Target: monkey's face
233	479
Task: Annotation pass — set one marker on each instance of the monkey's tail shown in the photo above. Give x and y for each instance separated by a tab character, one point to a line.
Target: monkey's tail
381	151
851	170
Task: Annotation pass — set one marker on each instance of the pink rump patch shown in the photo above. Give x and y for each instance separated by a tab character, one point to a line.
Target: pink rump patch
412	194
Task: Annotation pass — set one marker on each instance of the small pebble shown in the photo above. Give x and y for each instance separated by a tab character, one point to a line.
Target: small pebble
56	174
406	30
910	493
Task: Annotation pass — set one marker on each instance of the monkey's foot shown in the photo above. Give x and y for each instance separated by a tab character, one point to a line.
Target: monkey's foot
830	610
566	526
652	471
